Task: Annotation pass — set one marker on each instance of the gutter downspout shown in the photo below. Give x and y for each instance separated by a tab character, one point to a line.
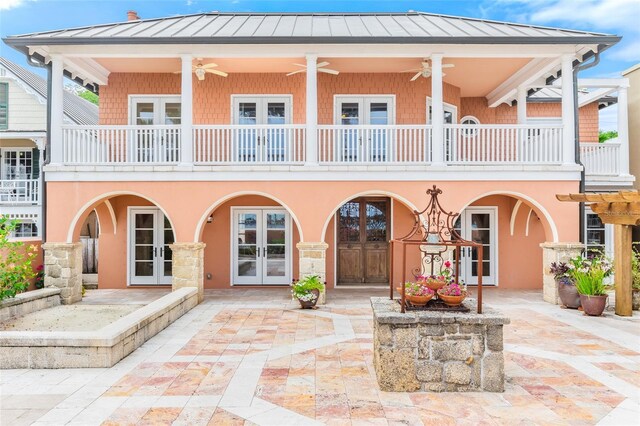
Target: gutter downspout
576	123
47	149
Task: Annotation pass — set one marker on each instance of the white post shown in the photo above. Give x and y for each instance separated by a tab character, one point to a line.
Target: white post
186	117
522	104
57	113
312	111
437	111
568	112
623	129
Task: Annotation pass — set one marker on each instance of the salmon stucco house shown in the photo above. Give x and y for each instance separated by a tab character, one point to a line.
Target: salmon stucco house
249	149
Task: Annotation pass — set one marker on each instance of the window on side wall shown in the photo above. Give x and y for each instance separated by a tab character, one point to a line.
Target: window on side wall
598	236
4	106
25	230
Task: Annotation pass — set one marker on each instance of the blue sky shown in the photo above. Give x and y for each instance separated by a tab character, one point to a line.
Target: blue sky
610	16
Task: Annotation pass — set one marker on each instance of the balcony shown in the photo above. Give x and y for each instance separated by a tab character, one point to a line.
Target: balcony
225	145
19	192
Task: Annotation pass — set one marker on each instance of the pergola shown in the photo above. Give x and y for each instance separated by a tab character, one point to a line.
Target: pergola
621	209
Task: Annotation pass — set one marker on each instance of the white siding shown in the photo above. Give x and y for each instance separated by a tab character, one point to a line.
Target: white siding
25	111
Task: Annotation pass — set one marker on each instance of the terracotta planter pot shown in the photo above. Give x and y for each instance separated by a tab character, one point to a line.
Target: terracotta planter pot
311	303
419	300
434	285
593	305
568	294
452	300
635	300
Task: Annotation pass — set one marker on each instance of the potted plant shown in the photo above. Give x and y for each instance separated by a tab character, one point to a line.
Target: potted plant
589	274
307	291
418	294
566	287
453	294
635	279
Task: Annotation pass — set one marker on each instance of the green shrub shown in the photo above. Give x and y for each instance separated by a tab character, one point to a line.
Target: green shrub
15	261
304	287
635	269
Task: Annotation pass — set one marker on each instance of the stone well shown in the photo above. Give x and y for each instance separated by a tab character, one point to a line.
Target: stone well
437	351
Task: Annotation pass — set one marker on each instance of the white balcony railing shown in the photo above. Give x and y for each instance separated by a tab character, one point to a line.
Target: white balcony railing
248	144
600	159
504	144
341	144
19	191
121	144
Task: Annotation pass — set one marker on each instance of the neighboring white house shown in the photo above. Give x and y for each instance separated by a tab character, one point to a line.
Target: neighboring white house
23	135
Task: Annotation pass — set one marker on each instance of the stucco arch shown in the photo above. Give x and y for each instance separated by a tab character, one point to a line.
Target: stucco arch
73	232
389	194
203	219
550	228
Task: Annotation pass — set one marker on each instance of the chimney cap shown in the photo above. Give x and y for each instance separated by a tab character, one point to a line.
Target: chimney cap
132	15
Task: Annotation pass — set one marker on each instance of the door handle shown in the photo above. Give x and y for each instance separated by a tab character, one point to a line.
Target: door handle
264	252
258	251
155	252
161	251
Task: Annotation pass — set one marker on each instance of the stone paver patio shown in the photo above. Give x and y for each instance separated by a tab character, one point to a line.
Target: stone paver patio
250	357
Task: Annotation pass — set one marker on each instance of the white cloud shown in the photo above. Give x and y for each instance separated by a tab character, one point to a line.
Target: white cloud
12	4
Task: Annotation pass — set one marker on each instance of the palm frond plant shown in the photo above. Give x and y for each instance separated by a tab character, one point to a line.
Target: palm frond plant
589	274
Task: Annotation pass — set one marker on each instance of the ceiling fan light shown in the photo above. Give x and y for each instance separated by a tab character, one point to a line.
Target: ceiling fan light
200	73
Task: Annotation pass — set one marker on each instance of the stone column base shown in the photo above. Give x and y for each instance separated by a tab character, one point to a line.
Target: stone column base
313	261
188	266
63	269
555	252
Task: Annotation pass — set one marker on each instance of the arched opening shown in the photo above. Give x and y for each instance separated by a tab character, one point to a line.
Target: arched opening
511	229
250	241
129	235
358	233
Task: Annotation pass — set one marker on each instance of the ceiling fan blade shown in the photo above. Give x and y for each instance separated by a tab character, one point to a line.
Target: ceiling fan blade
328	71
300	65
295	72
448	65
417	76
211	65
322	64
218	72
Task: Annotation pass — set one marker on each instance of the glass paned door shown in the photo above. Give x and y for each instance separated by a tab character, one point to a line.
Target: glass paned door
152	145
268	141
450	117
261	247
478	225
371	141
150	258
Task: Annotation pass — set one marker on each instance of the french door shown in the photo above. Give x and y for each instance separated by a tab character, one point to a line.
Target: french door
261	246
155	144
450	117
368	142
478	224
150	234
267	142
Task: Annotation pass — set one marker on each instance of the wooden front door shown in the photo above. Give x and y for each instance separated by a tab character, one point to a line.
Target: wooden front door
363	241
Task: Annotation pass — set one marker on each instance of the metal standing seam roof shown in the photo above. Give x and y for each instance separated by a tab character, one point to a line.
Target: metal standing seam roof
554	94
78	110
410	27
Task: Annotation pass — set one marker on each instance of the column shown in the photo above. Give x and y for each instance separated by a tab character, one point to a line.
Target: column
188	266
57	112
622	268
186	117
312	111
568	112
522	105
623	129
63	269
313	261
437	112
555	252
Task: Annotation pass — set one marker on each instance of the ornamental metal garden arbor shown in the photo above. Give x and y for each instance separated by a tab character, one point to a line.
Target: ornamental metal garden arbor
434	234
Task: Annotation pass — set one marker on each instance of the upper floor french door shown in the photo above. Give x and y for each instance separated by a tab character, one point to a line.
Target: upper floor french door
369	144
267	142
155	144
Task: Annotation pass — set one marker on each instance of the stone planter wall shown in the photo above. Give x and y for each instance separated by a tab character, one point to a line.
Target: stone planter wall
31	301
438	352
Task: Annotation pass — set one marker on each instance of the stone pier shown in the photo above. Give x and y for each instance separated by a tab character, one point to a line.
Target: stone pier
188	267
437	351
313	261
555	252
63	269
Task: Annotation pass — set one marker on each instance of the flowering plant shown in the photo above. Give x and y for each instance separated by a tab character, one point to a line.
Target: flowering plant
453	289
589	273
15	261
445	276
416	289
39	281
303	289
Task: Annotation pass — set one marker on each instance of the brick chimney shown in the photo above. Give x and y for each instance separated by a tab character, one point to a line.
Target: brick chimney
132	15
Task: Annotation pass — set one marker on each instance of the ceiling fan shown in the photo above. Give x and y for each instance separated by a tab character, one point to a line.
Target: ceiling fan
320	68
425	71
201	70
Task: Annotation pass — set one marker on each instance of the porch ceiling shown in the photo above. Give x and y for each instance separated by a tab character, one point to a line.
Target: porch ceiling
474	76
